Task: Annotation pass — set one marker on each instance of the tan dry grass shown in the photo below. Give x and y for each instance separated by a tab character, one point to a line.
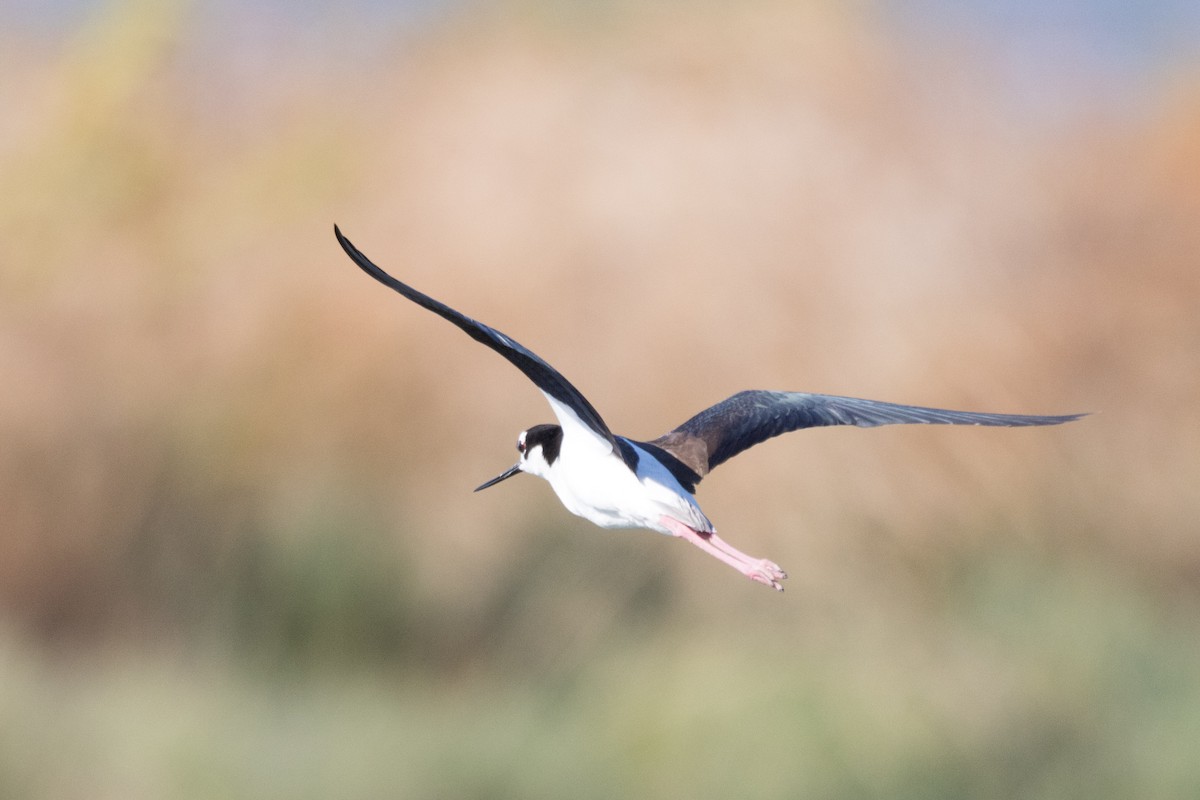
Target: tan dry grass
671	207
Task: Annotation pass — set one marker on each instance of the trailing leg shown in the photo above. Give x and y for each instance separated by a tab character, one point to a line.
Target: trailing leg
756	569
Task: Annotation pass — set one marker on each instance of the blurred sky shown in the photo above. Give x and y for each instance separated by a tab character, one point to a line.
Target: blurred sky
1116	44
1065	52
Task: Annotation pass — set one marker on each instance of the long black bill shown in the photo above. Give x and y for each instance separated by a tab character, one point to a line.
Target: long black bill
513	470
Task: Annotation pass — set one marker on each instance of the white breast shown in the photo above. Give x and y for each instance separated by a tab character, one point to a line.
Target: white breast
600	488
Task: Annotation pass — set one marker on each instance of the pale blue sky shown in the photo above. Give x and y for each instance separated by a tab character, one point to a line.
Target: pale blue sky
1048	54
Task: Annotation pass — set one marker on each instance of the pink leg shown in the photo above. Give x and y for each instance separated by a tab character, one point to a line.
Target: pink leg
756	569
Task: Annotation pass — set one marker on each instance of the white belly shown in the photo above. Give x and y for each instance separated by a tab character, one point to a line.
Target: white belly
603	490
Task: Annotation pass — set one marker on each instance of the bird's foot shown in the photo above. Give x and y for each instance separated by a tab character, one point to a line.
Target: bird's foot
767	573
759	570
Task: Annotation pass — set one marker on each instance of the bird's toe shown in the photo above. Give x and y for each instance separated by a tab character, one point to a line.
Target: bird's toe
768	573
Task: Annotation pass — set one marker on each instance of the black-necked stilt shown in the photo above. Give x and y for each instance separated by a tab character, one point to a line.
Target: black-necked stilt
621	483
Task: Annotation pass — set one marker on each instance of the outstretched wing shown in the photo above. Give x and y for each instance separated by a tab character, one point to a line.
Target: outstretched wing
564	398
719	433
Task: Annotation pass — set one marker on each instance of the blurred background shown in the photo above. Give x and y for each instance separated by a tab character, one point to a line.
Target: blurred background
239	552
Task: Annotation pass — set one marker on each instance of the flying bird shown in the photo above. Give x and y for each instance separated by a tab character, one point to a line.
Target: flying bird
617	482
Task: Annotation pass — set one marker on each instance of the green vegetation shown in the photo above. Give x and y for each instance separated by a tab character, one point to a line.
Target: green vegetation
1043	682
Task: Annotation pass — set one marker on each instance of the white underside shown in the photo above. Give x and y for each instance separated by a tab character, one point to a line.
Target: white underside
601	488
593	482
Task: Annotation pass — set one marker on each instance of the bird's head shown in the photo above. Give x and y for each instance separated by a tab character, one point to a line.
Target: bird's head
539	447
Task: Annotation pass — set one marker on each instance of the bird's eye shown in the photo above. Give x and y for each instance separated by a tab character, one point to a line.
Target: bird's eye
521	447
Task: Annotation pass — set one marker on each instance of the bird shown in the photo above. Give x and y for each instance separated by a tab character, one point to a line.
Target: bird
618	482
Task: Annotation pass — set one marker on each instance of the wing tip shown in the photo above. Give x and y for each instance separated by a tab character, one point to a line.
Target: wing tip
1027	420
365	264
346	244
1063	418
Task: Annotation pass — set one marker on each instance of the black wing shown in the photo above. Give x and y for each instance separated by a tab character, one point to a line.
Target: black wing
546	377
719	433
